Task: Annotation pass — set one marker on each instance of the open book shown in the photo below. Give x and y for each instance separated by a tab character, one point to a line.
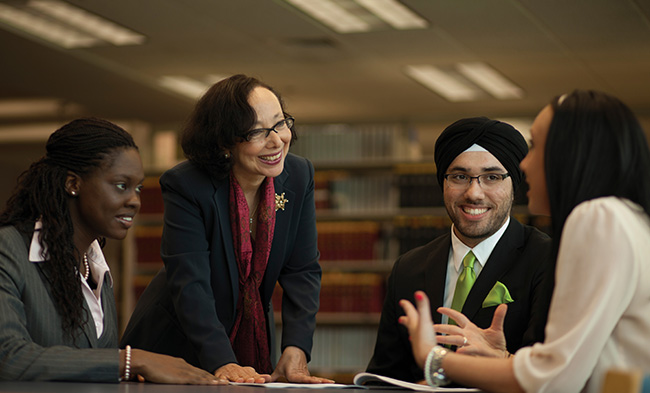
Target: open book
374	380
361	380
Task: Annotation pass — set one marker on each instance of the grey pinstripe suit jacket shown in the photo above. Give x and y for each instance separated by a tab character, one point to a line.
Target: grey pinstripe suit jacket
32	343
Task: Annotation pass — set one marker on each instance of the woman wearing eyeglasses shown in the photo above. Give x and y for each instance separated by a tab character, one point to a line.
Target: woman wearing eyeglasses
239	218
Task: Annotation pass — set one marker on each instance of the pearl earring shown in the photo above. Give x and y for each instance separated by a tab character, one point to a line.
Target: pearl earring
227	155
74	193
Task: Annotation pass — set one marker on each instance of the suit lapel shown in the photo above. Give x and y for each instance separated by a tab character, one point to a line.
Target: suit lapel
504	255
221	198
282	222
89	328
436	274
109	335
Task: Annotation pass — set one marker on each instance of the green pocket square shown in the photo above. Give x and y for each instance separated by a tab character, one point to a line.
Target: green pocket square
498	295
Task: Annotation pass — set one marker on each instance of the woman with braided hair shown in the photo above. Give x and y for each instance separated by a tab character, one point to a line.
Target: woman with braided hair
57	310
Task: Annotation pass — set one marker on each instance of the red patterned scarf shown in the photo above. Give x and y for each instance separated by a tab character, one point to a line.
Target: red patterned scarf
249	336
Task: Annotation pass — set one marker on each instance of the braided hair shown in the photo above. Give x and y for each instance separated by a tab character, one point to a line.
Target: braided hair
80	146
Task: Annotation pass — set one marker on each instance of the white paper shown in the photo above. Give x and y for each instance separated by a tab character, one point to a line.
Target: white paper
281	385
361	378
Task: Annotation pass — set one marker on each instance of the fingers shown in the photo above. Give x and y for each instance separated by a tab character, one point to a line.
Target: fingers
323	380
196	376
499	317
264	378
308	379
458	341
422	302
451	330
235	373
460	318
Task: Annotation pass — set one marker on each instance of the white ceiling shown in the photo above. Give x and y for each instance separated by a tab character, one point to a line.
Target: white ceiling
546	47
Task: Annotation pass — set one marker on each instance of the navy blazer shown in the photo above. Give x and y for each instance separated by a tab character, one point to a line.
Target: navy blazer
521	260
188	310
33	345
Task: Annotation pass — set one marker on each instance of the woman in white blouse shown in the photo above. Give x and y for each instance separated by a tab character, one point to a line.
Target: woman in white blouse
589	169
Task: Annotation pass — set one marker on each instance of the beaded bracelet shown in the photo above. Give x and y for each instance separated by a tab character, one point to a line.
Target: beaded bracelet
433	371
127	364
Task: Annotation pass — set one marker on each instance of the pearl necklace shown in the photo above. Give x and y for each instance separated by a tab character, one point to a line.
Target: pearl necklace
87	266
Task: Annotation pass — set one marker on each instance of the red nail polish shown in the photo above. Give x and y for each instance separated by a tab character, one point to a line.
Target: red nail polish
418	296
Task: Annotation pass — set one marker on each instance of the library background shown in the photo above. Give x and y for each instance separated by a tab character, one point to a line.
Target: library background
376	196
370	98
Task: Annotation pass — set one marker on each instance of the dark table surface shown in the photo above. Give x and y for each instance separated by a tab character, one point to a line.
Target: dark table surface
134	387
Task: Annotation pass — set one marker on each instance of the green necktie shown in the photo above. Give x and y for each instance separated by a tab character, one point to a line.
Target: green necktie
464	283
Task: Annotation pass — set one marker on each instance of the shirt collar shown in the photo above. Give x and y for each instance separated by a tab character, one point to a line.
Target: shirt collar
94	254
481	251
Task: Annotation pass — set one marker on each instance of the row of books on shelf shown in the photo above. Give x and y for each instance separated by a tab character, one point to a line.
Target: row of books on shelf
346	293
358	242
336	142
349	240
151	201
419	190
412	232
344	191
365	241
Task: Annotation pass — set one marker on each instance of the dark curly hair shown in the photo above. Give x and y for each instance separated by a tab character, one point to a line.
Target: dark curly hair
219	121
81	147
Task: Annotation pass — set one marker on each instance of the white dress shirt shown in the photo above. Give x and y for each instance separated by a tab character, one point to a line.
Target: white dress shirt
458	251
98	268
600	312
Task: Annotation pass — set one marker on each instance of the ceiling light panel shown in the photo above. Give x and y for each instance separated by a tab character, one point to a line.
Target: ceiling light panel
87	22
331	14
190	87
490	80
445	84
394	13
45	29
184	85
65	25
360	16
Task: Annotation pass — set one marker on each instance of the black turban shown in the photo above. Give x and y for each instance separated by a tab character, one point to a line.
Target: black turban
501	139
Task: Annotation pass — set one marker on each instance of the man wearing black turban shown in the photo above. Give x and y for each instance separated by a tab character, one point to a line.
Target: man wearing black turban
477	162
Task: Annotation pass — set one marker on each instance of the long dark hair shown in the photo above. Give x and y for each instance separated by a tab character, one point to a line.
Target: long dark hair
595	148
81	147
219	121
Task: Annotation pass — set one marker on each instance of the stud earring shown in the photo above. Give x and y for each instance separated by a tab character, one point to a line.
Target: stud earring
74	193
227	155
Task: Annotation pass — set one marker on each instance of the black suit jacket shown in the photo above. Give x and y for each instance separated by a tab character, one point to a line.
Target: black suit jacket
521	260
189	308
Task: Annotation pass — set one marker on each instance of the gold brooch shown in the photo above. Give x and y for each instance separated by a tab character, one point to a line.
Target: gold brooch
280	201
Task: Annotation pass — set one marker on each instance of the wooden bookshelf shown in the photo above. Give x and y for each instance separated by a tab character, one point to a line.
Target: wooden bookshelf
374	200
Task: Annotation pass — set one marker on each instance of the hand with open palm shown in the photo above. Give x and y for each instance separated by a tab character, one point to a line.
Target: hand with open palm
472	340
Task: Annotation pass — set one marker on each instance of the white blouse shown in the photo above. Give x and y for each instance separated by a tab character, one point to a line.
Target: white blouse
600	312
98	268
